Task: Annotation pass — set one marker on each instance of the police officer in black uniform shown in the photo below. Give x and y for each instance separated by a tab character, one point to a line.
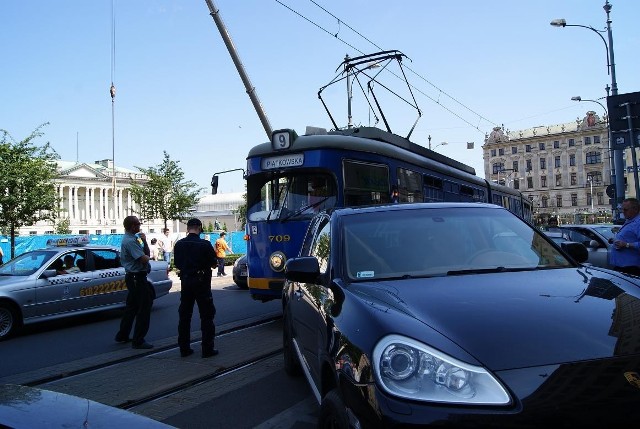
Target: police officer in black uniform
194	257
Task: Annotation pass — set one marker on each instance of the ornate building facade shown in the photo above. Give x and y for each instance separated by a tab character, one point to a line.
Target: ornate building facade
94	201
564	169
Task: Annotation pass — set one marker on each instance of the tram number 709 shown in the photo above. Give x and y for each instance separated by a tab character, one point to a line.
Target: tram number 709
279	238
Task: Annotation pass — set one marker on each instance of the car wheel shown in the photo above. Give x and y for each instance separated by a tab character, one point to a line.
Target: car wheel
291	362
8	321
241	284
333	413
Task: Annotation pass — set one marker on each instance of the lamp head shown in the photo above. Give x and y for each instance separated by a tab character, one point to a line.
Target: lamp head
576	98
561	22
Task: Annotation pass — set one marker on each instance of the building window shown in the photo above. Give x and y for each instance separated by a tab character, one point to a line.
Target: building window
596	139
541	145
516	184
545	202
501	151
530	182
98	232
33	232
558	179
543	163
572	160
572	142
528	165
600	198
543	181
593	158
557	161
556	144
114	231
493	152
574	179
49	232
587	140
594	177
527	148
514	166
514	149
498	167
558	200
574	200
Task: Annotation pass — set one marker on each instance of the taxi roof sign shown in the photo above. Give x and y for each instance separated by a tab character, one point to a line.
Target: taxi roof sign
68	241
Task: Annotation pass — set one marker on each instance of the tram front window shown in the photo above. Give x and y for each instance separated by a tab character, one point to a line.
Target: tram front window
292	197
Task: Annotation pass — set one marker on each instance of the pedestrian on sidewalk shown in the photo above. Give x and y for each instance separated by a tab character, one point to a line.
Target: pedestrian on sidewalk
134	256
194	257
221	251
167	246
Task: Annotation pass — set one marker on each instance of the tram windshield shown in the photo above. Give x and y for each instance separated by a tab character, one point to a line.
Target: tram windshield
290	197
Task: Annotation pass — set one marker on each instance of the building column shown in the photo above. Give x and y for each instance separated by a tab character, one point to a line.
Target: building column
70	202
75	204
101	209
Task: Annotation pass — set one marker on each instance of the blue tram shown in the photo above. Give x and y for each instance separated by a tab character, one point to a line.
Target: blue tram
293	177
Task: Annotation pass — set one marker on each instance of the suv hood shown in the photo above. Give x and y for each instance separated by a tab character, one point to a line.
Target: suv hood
517	319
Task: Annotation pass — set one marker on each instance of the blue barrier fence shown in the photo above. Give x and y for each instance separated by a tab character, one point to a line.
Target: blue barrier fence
27	243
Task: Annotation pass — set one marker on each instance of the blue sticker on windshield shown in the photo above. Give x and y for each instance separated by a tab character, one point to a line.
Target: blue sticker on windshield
364	274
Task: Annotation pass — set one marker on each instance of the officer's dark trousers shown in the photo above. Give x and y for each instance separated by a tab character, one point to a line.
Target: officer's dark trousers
197	291
139	302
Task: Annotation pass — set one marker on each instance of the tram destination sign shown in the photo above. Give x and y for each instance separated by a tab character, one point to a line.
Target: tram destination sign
283	161
623	107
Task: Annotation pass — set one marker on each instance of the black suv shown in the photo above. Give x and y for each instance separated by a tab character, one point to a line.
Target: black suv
456	313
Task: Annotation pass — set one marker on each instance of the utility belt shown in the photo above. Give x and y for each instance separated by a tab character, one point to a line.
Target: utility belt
136	274
200	274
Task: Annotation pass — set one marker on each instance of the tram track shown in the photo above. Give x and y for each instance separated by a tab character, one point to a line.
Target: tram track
127	405
111	363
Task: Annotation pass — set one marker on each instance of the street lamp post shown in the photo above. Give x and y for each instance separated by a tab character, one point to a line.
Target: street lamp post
610	147
611	69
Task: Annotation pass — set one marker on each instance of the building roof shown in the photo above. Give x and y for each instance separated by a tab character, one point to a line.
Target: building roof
501	135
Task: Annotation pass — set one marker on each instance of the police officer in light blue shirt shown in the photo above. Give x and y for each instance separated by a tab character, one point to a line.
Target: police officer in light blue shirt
625	250
134	257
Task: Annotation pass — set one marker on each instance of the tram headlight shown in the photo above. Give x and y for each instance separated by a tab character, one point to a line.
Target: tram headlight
277	260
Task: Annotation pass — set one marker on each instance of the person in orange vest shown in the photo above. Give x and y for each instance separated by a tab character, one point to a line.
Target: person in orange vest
221	248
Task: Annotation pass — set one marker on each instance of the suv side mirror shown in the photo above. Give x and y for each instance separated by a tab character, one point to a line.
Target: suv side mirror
577	251
303	270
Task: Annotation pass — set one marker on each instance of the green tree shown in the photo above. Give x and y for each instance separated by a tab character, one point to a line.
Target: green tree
27	190
209	227
166	195
63	226
241	211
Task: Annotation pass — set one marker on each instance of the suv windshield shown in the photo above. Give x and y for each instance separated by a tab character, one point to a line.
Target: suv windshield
443	241
292	197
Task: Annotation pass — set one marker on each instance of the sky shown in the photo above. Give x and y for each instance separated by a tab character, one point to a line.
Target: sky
474	65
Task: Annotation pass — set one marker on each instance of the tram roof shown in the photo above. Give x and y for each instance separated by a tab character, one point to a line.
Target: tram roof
377	142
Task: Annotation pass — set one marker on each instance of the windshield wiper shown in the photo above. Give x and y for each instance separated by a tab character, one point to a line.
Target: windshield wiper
489	270
303	209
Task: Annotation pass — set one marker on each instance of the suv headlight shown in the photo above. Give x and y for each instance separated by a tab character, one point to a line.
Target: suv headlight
407	368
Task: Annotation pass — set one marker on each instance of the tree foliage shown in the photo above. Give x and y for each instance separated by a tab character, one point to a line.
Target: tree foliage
166	195
27	191
241	211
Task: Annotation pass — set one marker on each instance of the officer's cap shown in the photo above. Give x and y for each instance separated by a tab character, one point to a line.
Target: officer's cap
194	222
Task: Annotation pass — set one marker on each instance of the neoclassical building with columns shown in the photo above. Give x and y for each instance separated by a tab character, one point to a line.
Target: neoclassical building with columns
95	198
564	169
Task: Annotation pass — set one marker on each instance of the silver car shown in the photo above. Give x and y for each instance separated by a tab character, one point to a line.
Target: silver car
596	239
66	278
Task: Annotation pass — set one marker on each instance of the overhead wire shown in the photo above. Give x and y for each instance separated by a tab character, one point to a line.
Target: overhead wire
437	101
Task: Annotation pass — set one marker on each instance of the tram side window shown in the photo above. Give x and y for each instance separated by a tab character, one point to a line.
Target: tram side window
497	199
433	189
467	194
410	186
451	191
365	183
